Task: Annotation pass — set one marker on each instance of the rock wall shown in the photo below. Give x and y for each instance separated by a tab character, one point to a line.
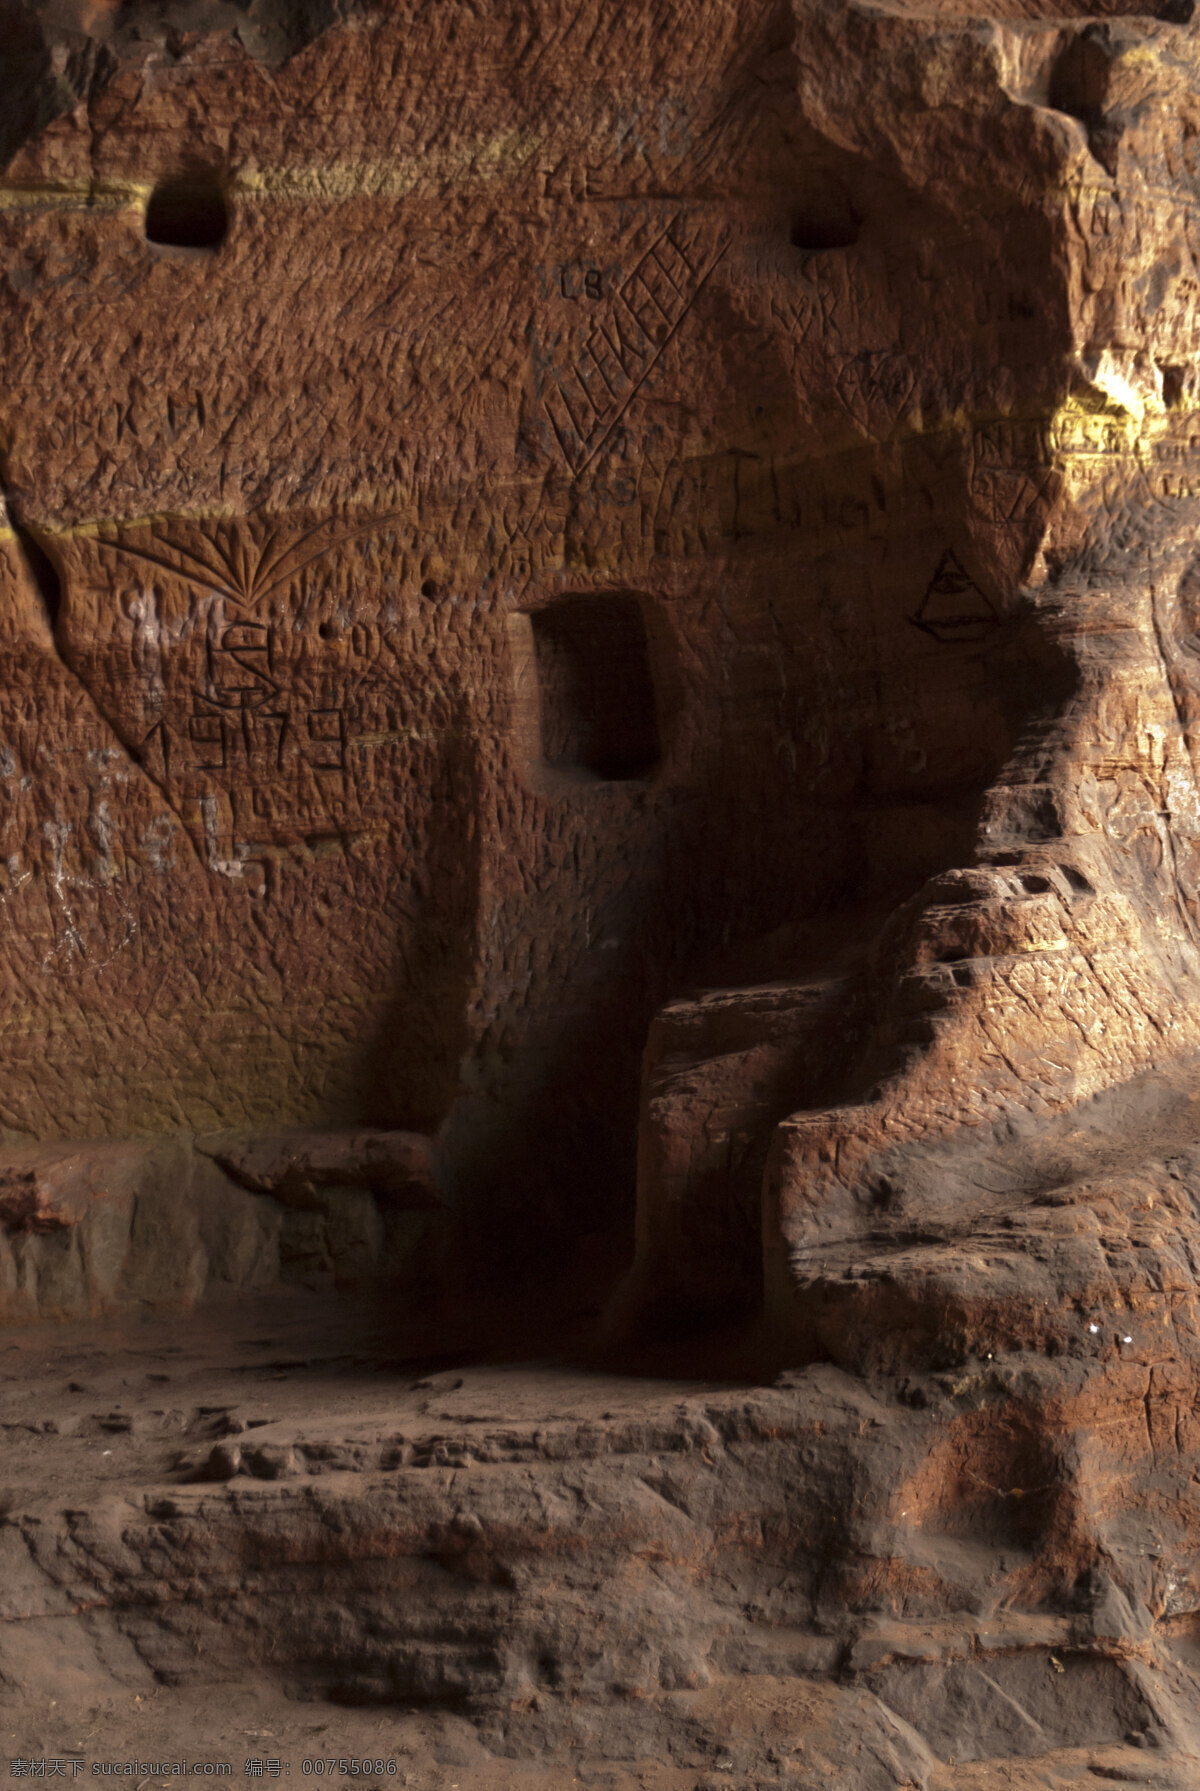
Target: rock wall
506	512
600	610
437	582
513	521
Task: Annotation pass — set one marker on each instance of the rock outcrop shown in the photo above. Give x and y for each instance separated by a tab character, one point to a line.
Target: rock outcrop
601	610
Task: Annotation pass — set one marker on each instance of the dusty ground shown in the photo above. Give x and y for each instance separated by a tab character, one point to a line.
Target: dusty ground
124	1410
220	1531
108	1407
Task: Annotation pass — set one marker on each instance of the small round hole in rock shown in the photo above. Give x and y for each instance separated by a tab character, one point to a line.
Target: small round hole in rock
189	212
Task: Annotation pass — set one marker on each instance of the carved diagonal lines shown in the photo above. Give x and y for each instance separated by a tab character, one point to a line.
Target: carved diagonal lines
586	401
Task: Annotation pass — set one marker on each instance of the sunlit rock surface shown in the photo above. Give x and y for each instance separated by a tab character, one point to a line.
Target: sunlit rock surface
602	670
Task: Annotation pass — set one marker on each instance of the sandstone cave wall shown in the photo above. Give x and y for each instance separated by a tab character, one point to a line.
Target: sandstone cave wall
517	383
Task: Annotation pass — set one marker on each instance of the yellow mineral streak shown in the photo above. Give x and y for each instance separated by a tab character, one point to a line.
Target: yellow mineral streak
73	195
483	159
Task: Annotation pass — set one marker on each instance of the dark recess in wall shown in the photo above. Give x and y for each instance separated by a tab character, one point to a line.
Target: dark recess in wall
595	690
189	212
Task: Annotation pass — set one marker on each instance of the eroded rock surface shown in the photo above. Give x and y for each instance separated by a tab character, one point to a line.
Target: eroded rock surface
510	1569
555	550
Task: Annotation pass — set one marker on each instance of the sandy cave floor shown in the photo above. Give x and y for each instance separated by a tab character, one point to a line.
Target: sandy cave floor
125	1414
119	1408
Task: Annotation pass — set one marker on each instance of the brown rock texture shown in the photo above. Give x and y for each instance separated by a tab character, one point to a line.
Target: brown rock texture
601	609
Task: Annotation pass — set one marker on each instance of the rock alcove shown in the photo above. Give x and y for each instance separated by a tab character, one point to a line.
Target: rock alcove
599	1152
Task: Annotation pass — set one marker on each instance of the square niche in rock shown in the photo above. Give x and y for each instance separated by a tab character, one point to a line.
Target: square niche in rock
595	691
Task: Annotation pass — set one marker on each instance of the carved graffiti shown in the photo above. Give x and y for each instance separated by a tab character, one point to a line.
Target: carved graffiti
234	713
243	564
875	388
585	400
954	609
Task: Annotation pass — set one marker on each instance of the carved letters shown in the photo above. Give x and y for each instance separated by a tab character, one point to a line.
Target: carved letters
585	398
241	705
